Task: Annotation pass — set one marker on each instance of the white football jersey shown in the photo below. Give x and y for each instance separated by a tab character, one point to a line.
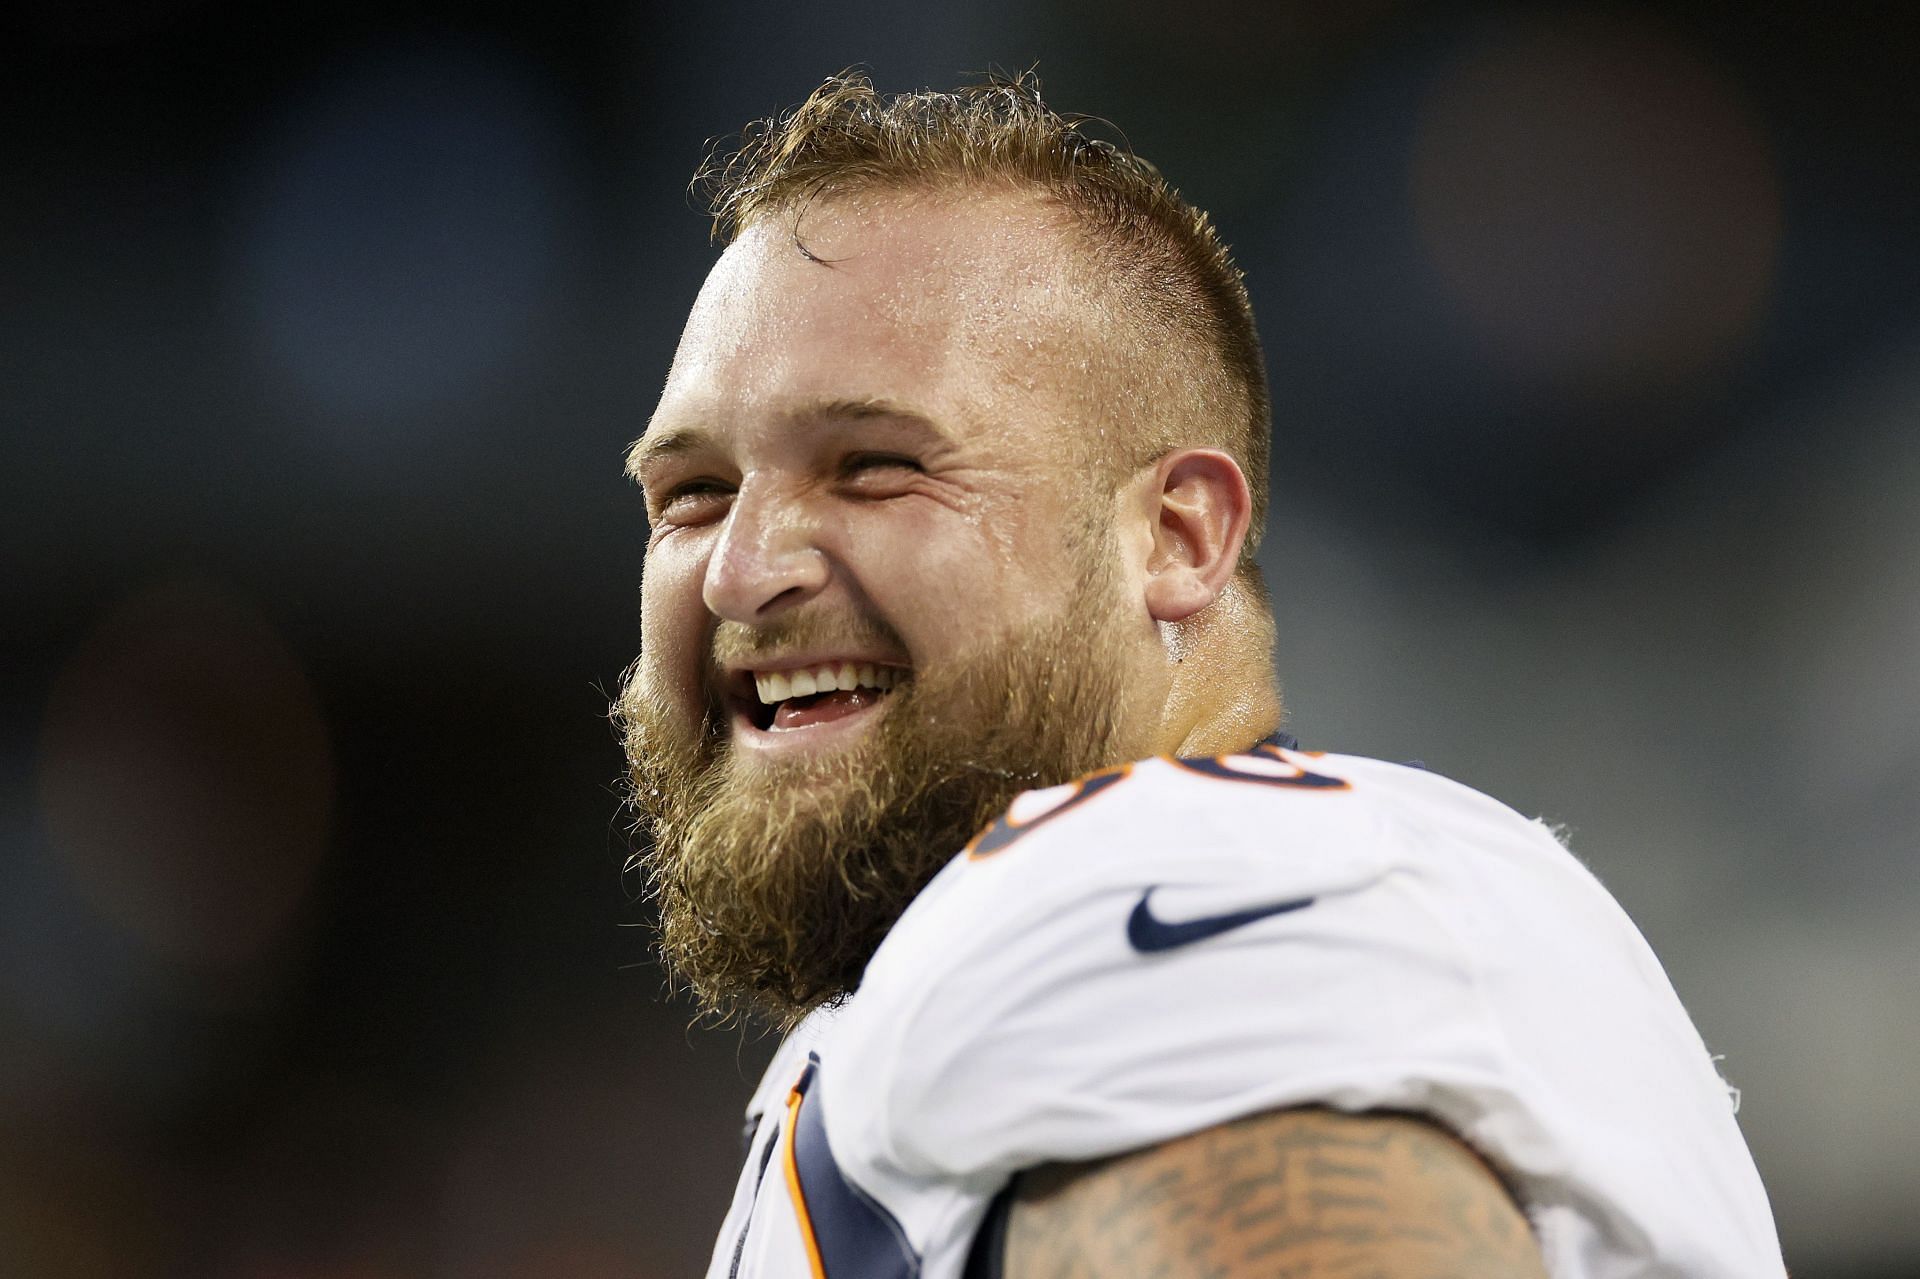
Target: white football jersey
1161	948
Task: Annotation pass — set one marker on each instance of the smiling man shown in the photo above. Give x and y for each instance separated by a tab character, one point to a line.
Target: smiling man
954	738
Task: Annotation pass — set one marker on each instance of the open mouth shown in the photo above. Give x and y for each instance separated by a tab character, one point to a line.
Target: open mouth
805	697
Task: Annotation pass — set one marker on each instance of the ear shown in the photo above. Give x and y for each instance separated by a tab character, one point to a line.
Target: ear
1202	510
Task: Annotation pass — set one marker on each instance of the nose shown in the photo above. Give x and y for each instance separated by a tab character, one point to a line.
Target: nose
766	561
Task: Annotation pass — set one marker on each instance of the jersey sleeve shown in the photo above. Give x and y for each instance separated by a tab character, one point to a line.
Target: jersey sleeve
1175	952
1154	952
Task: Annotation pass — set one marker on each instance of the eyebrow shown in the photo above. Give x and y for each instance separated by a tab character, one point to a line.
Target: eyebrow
678	441
675	442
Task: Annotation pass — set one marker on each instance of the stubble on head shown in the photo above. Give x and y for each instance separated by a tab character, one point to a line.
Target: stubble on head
776	884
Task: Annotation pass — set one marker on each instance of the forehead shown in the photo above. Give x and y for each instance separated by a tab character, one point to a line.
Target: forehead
954	305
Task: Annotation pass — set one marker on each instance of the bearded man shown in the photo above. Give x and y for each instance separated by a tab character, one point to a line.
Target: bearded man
954	737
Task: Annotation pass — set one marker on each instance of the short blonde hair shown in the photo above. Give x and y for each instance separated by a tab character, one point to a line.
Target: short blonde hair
1168	264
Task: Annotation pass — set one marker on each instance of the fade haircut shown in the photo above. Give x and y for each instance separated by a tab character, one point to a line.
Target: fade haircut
1172	273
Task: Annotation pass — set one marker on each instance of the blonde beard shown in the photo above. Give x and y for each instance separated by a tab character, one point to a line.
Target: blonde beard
776	885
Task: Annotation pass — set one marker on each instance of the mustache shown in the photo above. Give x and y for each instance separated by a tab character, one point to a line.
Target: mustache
738	644
642	704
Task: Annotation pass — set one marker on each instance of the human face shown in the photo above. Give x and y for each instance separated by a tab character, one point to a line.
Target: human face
863	458
862	466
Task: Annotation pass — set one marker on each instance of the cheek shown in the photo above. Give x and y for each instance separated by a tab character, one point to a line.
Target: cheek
945	579
673	622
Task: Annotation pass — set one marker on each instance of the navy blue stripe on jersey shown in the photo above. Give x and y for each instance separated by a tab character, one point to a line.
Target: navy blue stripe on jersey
857	1237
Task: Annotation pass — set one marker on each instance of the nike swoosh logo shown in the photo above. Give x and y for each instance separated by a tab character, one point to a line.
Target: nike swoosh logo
1150	934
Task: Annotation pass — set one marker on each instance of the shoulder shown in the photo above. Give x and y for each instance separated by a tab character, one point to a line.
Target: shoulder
1267	825
1160	947
1151	953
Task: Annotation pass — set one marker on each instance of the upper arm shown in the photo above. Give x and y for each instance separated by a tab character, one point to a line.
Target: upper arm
1302	1193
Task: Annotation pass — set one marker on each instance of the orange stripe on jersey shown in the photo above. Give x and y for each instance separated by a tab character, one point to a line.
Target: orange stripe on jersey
800	1212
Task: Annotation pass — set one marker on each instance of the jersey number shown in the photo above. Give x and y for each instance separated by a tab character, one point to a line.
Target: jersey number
1264	765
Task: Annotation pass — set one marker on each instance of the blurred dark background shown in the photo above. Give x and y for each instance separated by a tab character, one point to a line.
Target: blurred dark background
1593	336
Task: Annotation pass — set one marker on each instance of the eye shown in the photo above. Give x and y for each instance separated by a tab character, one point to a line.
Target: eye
691	500
878	465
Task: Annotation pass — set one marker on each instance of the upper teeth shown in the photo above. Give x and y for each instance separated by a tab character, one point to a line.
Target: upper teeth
778	686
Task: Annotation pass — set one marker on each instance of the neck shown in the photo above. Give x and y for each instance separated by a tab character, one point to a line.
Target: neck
1222	696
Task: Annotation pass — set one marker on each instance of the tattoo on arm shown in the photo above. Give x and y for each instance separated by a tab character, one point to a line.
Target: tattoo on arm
1294	1194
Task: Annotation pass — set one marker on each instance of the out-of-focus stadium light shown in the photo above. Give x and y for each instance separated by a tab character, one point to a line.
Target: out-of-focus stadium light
1600	202
402	248
185	777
